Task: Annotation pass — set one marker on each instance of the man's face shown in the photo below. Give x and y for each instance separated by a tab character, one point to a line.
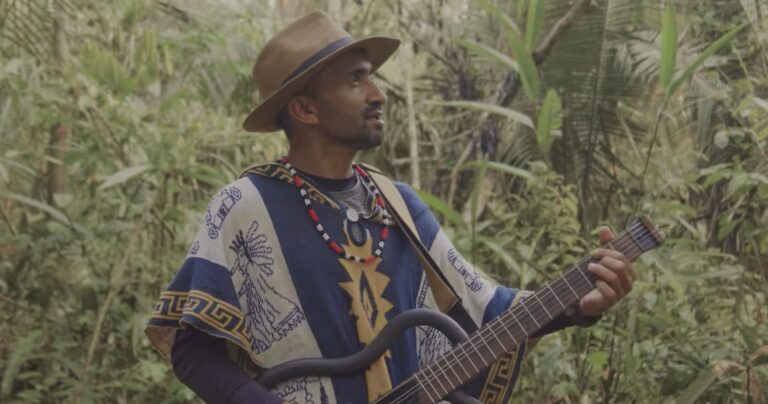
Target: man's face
348	103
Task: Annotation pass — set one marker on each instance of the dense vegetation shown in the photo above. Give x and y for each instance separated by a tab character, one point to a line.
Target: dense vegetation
525	124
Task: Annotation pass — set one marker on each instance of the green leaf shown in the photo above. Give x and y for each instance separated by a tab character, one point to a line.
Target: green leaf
533	23
696	388
23	349
124	175
668	47
501	167
473	201
491	8
490	53
435	203
55	213
493	245
548	121
711	49
529	75
597	359
492	109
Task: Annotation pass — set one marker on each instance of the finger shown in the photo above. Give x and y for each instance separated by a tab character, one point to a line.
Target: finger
609	277
599	253
605	234
608	293
621	269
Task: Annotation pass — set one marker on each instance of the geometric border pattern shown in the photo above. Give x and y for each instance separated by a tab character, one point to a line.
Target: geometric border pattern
501	378
279	172
217	314
502	375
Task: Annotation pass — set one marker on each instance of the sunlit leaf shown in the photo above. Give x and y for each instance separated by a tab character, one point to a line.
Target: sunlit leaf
533	22
55	213
711	49
501	167
529	75
124	175
547	121
668	46
493	109
449	213
490	53
498	14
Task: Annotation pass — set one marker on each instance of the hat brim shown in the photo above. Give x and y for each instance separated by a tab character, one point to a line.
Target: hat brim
263	117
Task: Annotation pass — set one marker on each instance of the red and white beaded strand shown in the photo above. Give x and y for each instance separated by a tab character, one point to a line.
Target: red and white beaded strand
386	222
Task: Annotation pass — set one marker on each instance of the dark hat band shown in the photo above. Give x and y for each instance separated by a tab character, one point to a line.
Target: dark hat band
330	48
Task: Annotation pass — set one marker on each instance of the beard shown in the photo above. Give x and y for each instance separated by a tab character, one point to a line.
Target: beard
370	135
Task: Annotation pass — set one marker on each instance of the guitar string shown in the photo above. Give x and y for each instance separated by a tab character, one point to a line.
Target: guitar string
499	324
577	267
446	360
517	313
621	245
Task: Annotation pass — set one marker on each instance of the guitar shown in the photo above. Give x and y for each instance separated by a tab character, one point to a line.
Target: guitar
471	354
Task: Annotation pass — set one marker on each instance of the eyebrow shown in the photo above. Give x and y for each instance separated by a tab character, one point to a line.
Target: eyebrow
362	68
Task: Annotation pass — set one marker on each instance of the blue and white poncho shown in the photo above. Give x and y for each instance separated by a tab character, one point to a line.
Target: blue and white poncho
259	276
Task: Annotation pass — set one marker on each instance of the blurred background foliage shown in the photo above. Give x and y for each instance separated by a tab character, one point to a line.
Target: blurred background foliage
524	123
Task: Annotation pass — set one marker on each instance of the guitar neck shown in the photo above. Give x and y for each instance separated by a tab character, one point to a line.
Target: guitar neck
507	331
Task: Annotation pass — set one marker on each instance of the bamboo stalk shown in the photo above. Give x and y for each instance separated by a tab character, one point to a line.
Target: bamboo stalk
406	55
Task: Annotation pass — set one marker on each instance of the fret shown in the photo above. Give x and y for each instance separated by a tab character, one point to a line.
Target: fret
536	295
565	279
549	286
458	361
448	364
479	354
531	315
425	388
623	240
469	358
637	242
501	343
504	326
441	368
442	390
521	326
581	272
482	338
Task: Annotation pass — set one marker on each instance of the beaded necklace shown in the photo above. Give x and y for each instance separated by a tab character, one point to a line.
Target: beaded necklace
351	214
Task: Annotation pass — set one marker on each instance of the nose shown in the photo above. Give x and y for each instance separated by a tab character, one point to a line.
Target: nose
375	95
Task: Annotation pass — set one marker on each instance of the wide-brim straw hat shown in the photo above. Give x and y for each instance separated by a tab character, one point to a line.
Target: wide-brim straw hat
295	54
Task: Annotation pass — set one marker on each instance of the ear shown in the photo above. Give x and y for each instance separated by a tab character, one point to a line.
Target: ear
303	110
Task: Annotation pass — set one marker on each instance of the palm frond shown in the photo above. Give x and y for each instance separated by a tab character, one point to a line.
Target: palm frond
29	26
586	67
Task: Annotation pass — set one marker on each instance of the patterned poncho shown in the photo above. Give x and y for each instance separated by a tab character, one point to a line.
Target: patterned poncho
259	276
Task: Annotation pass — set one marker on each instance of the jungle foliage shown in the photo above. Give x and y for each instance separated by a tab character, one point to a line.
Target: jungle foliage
524	123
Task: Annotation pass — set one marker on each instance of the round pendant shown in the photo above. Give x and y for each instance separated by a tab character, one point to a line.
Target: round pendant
352	215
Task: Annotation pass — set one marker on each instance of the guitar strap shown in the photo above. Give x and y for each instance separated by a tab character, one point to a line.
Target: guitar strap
502	374
448	301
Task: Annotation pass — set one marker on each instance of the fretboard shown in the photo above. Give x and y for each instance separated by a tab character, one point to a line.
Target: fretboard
507	331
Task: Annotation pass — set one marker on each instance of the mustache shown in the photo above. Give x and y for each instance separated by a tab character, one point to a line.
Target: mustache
372	108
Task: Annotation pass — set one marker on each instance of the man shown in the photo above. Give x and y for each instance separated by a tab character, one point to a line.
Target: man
301	258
